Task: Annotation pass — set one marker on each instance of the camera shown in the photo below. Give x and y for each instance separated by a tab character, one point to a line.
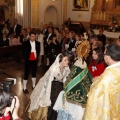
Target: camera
5	95
7	83
6	86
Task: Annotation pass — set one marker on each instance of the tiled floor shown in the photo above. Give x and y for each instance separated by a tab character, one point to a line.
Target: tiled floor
15	69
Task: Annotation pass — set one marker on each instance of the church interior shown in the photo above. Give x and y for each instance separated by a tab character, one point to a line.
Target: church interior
33	14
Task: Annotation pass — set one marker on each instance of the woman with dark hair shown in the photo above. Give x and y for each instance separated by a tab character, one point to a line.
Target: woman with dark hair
97	65
8	106
46	91
53	49
4	100
58	35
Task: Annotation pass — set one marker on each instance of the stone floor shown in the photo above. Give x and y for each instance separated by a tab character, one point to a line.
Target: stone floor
14	69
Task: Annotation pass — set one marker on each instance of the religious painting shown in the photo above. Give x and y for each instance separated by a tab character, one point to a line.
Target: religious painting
79	5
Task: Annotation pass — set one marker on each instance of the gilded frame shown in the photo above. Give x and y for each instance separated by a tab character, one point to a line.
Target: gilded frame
81	5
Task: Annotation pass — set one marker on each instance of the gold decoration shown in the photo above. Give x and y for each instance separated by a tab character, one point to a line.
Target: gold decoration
83	49
39	114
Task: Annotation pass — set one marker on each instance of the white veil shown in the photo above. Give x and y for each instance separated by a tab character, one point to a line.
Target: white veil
40	96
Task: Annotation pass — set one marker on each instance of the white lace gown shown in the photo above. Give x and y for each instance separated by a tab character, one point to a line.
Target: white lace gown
74	109
40	96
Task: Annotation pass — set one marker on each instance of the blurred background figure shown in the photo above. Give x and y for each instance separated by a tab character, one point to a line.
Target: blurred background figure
5	29
4	41
53	49
13	40
23	36
102	37
28	30
68	22
17	28
41	40
90	33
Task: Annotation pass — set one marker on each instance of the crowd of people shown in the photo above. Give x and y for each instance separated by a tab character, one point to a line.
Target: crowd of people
9	35
82	77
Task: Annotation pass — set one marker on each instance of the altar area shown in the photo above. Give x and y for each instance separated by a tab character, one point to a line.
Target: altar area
114	35
111	36
106	14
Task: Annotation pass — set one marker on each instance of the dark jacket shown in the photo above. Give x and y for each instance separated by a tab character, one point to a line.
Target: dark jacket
71	44
26	49
45	32
4	43
102	38
53	49
17	29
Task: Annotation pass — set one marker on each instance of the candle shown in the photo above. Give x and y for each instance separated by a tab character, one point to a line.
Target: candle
104	16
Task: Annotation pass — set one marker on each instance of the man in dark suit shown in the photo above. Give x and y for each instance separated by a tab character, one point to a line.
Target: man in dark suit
31	50
47	41
68	22
71	42
44	29
102	37
17	28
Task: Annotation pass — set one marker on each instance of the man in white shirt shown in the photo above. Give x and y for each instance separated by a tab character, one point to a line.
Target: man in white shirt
31	50
17	28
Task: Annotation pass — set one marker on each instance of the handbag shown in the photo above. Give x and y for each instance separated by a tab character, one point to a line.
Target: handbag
63	115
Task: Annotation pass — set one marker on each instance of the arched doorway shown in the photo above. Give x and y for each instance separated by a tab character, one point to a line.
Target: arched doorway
51	15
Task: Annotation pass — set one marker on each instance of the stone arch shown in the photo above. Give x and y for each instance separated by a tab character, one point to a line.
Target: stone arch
51	15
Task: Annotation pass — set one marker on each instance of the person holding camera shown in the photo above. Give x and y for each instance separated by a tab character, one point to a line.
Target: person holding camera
9	106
